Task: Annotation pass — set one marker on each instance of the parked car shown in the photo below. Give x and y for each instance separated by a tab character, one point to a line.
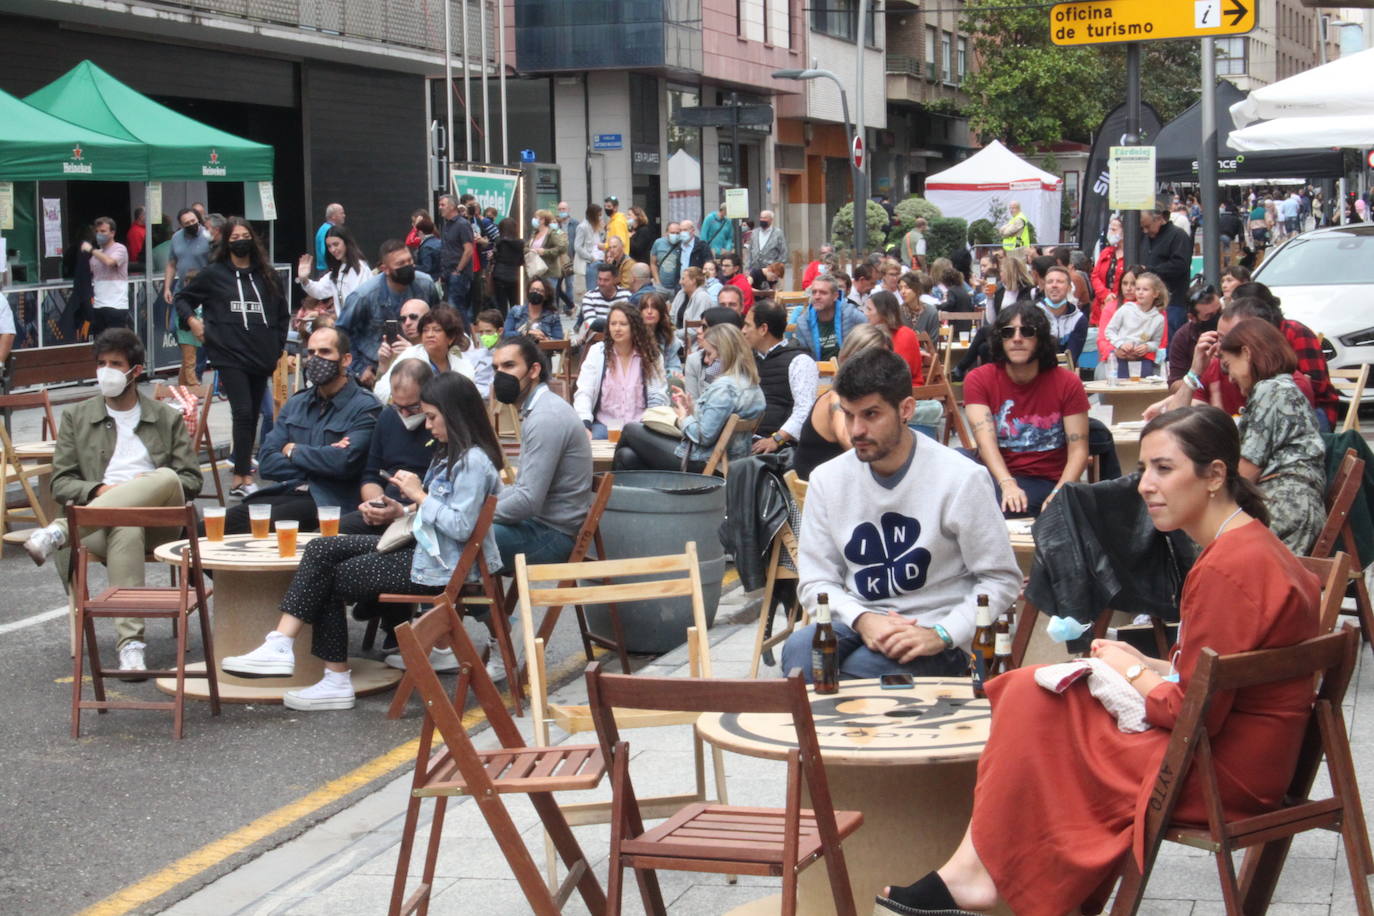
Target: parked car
1325	279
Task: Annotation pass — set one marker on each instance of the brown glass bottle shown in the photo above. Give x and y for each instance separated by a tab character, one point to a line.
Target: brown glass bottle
825	664
1001	645
981	658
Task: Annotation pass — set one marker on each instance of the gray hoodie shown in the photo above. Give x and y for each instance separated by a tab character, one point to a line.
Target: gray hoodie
554	485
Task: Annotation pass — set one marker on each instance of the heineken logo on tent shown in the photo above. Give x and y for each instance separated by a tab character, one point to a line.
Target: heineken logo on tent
213	167
76	165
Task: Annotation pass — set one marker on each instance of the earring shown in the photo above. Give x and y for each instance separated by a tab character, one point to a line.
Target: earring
1211	494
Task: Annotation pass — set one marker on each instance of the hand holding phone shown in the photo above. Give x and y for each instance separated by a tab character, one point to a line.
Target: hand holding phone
391	329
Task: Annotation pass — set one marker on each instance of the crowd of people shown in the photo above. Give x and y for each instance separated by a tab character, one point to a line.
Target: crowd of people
674	335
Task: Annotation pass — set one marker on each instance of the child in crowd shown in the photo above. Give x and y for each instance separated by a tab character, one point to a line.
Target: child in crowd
1136	331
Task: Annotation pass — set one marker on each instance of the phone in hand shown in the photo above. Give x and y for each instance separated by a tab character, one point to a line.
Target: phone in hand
391	329
896	681
378	503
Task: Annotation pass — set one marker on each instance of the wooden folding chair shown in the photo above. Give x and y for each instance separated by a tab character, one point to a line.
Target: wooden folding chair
719	838
201	441
953	419
675	576
13	470
720	455
1265	837
827	369
459	593
31	399
174	602
1340	497
512	769
784	539
933	355
1351	383
562	381
798	488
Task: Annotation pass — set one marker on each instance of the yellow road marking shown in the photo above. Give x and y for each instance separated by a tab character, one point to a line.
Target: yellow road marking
212	854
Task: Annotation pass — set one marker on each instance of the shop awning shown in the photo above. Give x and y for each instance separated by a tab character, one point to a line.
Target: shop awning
179	148
36	146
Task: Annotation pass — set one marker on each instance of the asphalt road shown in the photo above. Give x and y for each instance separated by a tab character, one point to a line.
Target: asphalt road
84	818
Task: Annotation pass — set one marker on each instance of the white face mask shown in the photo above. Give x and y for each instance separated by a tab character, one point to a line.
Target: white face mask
112	382
414	421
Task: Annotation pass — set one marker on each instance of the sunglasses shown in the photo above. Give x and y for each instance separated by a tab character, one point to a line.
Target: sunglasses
1009	333
411	317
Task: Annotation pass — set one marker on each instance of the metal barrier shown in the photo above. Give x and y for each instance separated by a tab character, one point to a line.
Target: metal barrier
46	315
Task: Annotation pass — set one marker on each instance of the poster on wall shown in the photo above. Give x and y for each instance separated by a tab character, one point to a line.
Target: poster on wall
154	211
52	227
6	206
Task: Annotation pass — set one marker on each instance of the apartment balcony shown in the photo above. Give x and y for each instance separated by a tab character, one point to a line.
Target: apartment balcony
916	82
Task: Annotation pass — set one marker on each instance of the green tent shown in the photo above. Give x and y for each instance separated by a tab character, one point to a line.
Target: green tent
36	146
179	148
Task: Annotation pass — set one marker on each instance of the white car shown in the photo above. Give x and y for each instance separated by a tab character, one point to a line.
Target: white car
1325	279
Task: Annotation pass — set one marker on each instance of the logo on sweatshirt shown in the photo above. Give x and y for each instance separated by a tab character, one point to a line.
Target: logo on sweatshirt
891	562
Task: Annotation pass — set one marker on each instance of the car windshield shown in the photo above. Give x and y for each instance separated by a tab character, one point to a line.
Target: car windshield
1330	260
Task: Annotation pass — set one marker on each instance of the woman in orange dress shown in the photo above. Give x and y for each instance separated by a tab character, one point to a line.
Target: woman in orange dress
1061	791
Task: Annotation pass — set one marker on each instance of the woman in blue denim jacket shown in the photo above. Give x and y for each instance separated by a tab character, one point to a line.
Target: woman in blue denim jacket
343	570
733	389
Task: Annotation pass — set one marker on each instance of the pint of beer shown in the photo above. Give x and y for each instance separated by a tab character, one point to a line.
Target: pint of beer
286	537
613	434
260	518
214	523
329	521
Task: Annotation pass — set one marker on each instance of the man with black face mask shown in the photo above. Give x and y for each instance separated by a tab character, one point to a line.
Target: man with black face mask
369	307
539	515
319	445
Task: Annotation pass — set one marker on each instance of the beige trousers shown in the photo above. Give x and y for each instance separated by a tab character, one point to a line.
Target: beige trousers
123	550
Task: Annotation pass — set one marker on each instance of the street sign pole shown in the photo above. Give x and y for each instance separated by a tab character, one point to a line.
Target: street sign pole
860	172
1207	167
1130	219
735	173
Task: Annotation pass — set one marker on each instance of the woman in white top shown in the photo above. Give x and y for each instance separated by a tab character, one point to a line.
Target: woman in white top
621	376
441	330
691	302
588	244
345	269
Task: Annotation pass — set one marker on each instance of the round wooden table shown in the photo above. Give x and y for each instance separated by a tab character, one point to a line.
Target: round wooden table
1128	399
250	579
906	758
1126	436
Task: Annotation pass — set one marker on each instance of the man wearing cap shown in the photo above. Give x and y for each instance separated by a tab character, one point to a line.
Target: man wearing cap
615	222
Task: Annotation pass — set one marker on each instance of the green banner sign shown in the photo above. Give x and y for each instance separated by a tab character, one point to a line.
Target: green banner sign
492	189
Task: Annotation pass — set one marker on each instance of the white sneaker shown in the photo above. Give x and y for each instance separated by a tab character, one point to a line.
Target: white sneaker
444	661
44	542
496	665
332	692
131	660
274	658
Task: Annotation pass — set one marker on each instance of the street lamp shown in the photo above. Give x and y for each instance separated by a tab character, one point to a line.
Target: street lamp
860	200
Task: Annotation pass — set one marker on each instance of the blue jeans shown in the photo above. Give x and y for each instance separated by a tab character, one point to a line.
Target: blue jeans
539	543
456	291
599	431
1037	489
1177	318
1123	367
857	661
563	291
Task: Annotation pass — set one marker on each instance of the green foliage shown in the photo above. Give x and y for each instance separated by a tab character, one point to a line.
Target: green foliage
982	232
945	236
842	226
914	206
1029	92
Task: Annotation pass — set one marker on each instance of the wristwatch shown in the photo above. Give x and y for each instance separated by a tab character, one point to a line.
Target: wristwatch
779	437
1134	672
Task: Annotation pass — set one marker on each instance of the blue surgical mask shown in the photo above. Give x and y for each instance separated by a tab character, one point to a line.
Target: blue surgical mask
674	237
563	214
1063	629
534	221
102	239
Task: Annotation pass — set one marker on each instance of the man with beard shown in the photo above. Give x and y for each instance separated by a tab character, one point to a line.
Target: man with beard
901	543
1204	309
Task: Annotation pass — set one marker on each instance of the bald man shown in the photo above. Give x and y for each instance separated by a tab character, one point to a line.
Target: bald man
766	243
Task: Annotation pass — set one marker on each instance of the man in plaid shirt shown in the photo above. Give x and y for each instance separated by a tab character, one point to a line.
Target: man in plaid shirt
1312	363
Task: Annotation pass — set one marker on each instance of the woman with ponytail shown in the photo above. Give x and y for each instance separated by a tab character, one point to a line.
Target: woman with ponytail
1246	591
1280	447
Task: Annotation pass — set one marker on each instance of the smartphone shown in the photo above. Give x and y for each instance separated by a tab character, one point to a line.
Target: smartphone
385	474
896	681
391	329
378	504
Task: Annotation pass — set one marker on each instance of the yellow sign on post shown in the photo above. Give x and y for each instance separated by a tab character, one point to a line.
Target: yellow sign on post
1104	21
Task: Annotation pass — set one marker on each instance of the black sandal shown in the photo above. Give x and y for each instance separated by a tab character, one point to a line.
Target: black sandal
927	897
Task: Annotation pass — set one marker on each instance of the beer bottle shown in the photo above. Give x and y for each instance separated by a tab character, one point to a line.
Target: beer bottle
981	658
825	664
1002	644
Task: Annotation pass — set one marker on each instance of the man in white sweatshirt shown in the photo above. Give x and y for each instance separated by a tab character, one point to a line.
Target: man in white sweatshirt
901	534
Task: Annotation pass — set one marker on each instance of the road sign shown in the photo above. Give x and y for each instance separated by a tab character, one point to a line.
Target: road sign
608	141
1105	21
856	152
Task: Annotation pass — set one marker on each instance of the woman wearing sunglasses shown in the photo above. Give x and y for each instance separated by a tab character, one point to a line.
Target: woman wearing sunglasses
1028	416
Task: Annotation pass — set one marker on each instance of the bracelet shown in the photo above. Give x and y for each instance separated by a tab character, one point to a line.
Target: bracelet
1192	380
944	636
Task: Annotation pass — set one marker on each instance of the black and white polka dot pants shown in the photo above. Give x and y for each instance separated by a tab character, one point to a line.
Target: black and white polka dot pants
341	570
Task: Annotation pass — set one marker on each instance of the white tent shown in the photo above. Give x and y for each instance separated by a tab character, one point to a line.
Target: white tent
1344	130
986	182
1344	87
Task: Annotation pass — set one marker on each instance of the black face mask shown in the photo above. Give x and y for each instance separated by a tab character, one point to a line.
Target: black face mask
535	298
505	387
191	231
404	275
321	371
241	247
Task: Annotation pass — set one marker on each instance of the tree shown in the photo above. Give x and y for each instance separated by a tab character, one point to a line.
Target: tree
1029	92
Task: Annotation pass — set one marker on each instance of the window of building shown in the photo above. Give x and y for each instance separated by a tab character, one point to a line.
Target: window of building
840	18
930	59
946	63
751	15
1231	55
684	159
963	59
779	22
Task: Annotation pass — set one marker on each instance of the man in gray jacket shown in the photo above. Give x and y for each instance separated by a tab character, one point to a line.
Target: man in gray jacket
766	244
540	514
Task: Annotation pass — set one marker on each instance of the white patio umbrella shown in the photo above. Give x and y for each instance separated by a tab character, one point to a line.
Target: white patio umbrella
1342	87
1325	132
